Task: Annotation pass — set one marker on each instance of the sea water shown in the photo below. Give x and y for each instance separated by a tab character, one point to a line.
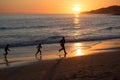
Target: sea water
22	30
27	29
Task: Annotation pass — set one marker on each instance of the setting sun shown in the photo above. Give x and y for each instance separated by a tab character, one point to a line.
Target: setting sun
76	8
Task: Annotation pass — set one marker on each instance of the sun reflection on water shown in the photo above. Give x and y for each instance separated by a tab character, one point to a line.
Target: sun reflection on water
76	15
76	19
76	22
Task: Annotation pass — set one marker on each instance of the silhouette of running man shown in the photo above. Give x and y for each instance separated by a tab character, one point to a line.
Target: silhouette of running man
62	44
6	49
38	49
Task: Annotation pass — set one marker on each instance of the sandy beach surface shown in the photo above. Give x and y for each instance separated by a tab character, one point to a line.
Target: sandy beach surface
101	61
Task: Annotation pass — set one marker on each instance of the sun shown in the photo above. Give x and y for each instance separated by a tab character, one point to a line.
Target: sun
76	8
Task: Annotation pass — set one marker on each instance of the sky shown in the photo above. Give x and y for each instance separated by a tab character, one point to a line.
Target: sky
52	6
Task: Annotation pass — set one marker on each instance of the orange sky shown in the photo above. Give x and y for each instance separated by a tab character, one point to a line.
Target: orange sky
52	6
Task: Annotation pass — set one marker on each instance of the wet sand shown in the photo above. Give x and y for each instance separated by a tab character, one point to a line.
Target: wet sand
102	62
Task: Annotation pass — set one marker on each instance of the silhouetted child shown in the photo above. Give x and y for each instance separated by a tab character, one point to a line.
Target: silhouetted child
6	49
38	49
62	44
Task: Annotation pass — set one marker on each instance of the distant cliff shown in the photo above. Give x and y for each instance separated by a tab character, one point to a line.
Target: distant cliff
115	10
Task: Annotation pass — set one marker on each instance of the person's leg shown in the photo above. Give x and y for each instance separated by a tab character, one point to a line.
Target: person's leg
40	52
65	53
37	53
5	55
60	49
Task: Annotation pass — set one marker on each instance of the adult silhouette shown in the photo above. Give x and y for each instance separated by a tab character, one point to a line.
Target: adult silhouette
62	44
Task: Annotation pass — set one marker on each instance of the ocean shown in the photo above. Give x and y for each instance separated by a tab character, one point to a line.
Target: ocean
30	29
25	31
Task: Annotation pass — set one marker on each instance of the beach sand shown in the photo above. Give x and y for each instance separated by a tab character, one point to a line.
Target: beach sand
101	61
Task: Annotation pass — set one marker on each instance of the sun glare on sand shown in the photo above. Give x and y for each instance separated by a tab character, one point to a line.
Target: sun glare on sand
78	49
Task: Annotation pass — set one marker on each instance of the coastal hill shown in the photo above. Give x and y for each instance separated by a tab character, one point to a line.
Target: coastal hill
115	10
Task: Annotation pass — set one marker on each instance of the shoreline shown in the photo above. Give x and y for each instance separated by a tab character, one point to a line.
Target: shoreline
100	61
25	55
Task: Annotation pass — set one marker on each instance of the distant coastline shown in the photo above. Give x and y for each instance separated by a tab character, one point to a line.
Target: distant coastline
113	10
